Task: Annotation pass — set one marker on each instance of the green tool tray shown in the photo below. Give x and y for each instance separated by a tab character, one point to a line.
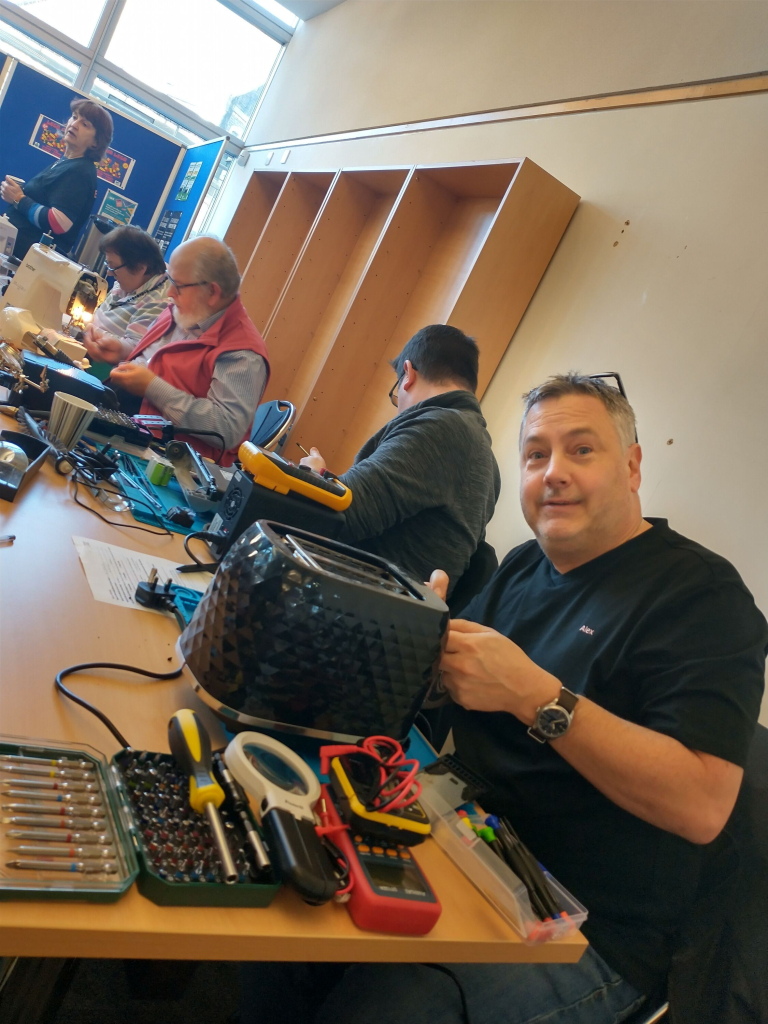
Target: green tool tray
181	893
18	884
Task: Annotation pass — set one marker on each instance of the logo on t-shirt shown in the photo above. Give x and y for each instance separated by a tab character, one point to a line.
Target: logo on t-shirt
586	629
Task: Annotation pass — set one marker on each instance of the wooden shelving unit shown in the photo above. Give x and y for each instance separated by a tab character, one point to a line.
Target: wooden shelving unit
304	328
348	266
252	214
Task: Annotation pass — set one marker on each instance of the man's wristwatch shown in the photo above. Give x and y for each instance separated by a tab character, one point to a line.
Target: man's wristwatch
553	720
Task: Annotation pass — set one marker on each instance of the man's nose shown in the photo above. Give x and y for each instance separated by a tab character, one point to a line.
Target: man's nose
557	472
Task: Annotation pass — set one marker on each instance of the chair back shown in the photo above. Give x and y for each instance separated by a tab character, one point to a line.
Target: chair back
718	974
272	424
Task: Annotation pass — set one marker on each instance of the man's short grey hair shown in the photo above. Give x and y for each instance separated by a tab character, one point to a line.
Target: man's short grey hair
561	384
216	263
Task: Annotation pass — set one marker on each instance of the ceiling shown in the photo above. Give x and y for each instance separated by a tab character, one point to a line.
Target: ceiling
306	9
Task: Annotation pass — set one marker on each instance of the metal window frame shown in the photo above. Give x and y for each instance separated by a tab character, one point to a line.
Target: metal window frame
94	64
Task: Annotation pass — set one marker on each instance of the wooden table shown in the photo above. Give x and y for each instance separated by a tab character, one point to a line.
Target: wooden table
48	620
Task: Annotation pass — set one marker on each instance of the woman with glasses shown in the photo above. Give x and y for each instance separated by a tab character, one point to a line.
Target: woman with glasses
138	297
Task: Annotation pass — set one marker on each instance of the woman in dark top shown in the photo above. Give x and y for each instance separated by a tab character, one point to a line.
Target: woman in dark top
58	200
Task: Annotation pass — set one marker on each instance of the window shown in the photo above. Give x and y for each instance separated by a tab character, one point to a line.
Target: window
193	69
200	53
119	100
75	18
28	50
272	7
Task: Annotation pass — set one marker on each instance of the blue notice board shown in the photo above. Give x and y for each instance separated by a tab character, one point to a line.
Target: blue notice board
187	193
31	93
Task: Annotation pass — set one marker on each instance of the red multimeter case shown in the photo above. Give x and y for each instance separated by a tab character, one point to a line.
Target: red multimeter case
390	893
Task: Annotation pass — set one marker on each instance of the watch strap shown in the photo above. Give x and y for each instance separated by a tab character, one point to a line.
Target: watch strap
567	699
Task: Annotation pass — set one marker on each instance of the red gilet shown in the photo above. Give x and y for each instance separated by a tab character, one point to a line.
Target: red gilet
188	365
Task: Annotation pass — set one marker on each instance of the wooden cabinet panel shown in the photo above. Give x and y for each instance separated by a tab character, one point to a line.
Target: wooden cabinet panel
362	340
326	276
530	223
252	213
281	241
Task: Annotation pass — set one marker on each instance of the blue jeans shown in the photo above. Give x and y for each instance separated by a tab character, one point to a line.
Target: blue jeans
588	992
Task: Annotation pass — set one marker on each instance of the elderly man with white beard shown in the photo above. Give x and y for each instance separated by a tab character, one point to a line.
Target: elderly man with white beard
202	364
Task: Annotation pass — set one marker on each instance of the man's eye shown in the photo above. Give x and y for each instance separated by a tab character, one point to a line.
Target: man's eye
534	456
584	449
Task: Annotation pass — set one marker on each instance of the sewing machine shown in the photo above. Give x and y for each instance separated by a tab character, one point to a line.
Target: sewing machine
46	288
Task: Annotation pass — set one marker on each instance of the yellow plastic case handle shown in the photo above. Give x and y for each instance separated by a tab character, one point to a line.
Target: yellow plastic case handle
268	473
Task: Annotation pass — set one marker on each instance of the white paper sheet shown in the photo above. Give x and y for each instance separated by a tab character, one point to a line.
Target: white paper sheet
114	572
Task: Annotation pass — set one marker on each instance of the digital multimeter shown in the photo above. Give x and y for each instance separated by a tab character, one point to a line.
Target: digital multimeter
390	892
272	471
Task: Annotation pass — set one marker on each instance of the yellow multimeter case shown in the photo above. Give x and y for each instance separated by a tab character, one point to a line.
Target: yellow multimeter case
277	474
409	826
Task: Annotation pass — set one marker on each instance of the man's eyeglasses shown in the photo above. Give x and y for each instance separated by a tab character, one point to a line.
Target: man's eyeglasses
619	385
111	270
393	391
192	284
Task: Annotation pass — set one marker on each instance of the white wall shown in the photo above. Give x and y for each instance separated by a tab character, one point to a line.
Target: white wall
377	62
679	306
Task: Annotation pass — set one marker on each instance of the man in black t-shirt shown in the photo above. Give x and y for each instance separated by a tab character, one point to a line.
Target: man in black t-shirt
608	681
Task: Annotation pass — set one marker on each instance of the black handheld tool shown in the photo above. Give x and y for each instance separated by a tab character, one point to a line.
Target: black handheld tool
191	747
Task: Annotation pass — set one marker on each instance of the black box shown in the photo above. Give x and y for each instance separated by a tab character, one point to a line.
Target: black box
246	501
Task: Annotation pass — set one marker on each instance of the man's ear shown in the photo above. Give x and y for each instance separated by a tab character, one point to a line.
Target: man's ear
409	375
635	457
215	294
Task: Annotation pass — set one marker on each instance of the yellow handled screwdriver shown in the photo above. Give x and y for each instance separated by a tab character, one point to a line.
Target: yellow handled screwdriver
191	747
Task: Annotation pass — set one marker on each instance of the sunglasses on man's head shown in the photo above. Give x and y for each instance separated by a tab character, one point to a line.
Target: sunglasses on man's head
619	386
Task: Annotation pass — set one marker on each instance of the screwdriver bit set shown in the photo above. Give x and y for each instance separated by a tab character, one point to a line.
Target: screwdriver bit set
74	826
178	855
63	834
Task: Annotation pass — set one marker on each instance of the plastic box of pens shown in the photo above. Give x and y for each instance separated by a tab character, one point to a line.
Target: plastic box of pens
538	913
178	857
64	834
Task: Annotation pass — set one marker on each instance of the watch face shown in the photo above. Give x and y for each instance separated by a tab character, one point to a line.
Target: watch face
553	722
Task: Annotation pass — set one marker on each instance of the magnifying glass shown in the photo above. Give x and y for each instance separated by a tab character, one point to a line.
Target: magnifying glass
286	790
273	774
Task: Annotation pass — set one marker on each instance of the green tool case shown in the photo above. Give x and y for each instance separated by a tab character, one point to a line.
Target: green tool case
122	836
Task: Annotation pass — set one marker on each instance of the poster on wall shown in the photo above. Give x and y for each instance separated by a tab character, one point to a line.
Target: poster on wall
166	229
48	137
117	208
115	168
189	180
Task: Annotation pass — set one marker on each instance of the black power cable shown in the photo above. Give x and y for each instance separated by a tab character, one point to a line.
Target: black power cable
206	433
466	1019
85	666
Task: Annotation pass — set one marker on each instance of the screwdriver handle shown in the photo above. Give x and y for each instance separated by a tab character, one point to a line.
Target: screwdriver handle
191	747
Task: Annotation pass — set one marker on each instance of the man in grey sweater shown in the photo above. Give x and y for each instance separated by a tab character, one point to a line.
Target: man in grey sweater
426	484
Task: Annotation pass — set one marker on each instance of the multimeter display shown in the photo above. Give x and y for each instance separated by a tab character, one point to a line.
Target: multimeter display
391	869
394	878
